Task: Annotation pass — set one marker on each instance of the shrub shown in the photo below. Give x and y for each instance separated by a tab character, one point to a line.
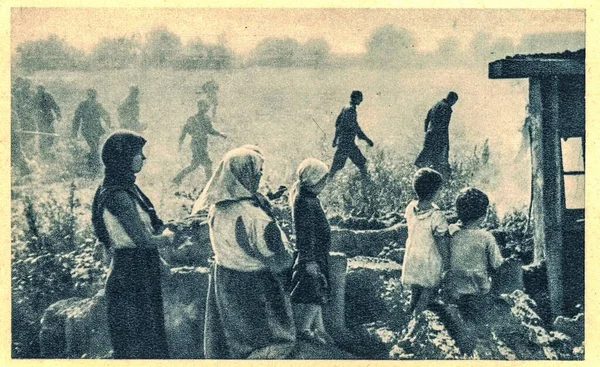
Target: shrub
53	258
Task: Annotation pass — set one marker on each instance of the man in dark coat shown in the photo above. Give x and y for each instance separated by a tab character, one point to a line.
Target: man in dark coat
47	110
346	130
17	159
437	143
198	127
129	111
88	116
24	99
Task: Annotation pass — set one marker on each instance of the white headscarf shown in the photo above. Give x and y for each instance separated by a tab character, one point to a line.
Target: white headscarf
237	177
310	172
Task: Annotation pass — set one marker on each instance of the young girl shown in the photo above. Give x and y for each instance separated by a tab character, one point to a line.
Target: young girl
310	273
473	254
426	253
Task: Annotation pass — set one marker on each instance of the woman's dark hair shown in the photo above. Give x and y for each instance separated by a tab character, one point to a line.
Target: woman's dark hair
471	204
426	183
120	148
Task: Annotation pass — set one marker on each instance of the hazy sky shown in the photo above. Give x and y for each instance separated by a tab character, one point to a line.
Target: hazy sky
346	30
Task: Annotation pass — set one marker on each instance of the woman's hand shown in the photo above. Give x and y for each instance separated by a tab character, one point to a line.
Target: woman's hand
169	236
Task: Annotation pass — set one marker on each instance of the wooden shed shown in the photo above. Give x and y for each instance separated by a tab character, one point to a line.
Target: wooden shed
557	136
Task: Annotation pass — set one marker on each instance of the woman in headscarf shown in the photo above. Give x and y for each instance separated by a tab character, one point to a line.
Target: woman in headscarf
248	312
310	273
126	223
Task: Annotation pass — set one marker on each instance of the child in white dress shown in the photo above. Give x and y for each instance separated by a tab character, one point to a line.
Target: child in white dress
426	256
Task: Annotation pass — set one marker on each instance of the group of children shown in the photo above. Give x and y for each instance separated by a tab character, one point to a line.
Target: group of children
458	260
442	263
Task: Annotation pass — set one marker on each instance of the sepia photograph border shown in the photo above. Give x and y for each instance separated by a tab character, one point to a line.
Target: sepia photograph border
592	192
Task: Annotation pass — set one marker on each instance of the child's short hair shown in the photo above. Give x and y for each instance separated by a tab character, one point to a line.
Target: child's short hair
471	204
426	183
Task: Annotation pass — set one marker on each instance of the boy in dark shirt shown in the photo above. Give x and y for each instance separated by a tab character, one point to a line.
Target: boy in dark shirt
198	127
346	130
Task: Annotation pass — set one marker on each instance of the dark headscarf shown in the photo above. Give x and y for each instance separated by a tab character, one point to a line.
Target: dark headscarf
117	155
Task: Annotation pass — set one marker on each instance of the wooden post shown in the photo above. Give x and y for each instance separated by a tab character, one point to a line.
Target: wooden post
553	198
548	199
537	171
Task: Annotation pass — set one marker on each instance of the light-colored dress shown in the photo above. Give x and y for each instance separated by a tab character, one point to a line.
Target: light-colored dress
422	261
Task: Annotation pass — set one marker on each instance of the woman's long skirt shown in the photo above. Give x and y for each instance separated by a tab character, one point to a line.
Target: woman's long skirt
135	306
247	312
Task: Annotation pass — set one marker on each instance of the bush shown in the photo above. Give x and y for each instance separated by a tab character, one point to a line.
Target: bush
53	258
390	189
518	235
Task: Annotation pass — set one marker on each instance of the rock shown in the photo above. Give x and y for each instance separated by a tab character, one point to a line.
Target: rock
185	301
368	242
511	331
365	286
334	311
573	327
393	252
77	328
522	331
426	338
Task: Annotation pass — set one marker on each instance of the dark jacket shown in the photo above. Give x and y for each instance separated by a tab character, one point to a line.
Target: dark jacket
45	105
88	115
347	128
313	234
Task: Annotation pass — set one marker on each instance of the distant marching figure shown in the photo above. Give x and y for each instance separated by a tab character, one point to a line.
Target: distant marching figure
346	130
24	99
437	143
129	111
47	110
17	159
210	88
198	127
87	116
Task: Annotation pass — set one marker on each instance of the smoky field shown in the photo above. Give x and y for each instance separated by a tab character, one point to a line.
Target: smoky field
290	114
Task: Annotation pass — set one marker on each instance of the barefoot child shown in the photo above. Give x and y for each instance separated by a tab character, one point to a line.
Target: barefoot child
427	242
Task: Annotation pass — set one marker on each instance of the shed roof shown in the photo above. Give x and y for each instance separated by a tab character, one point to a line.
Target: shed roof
533	65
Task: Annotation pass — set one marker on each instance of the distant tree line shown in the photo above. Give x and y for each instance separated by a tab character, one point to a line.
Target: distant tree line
388	46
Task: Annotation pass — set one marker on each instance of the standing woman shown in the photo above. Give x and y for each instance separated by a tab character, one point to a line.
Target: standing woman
310	273
125	221
248	312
